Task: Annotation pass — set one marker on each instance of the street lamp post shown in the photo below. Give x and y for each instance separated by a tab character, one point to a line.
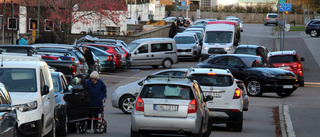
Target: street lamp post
3	20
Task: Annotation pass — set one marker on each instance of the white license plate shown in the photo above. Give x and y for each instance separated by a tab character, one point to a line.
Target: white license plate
287	86
166	107
284	67
213	94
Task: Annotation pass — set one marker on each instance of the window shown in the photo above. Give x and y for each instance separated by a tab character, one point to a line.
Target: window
233	61
318	22
1	22
49	25
161	47
31	22
143	49
12	23
221	61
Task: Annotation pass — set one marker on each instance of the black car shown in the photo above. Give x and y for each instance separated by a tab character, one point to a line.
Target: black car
257	50
8	114
259	75
72	104
29	49
313	28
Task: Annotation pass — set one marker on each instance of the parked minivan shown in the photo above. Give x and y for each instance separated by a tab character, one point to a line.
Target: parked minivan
154	52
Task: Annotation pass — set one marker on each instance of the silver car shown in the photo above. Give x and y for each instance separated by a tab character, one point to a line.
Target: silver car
271	18
171	105
123	98
187	46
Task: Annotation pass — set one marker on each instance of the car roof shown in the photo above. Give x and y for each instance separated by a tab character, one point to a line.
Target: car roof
153	39
185	34
99	44
237	55
249	46
272	14
277	53
208	70
175	80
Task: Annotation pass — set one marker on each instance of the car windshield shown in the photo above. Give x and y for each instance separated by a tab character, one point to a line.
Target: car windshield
218	37
235	19
213	80
250	51
283	59
19	80
184	40
133	46
256	62
56	84
167	91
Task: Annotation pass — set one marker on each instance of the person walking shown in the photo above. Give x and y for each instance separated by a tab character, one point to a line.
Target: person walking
89	58
98	93
23	40
173	29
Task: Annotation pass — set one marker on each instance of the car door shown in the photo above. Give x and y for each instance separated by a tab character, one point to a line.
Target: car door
48	101
218	62
142	56
237	68
7	117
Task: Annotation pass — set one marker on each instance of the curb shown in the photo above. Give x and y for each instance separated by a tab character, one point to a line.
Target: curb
285	122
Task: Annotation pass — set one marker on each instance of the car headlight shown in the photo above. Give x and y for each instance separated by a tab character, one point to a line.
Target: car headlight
268	74
27	107
205	48
228	48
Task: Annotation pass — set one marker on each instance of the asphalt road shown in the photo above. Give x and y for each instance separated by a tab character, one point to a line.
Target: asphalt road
258	121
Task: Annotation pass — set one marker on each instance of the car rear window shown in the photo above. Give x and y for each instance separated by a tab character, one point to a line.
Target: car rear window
213	80
184	40
273	16
168	91
283	59
249	51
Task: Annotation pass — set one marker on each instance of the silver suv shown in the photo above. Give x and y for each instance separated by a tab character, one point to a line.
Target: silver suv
173	105
271	18
187	46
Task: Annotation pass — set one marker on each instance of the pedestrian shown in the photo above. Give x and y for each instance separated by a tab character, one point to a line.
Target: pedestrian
23	40
178	21
89	58
139	18
173	29
183	22
98	93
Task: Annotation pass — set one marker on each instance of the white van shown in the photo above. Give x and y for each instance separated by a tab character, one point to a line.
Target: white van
218	39
153	52
30	86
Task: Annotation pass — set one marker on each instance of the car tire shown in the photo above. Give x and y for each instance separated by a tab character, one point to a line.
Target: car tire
52	133
314	33
63	131
237	127
197	58
265	24
155	66
167	63
301	83
254	87
134	133
209	129
284	94
126	104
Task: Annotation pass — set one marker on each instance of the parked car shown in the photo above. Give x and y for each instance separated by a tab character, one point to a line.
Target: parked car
124	96
91	39
227	106
187	46
240	22
245	96
72	104
199	32
258	50
313	28
288	60
198	26
154	52
28	49
271	18
227	17
8	114
171	105
259	75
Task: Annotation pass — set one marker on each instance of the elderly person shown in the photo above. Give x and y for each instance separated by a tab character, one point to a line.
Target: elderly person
98	93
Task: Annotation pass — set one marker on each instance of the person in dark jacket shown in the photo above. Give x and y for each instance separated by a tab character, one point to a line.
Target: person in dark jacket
173	29
98	93
89	58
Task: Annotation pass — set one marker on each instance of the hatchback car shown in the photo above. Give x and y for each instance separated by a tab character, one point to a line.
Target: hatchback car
8	114
187	46
288	60
258	50
258	74
171	105
227	106
313	28
72	102
271	18
240	22
123	97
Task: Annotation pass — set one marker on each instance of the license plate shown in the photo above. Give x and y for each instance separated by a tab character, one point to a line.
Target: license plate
284	67
213	94
287	86
166	107
183	53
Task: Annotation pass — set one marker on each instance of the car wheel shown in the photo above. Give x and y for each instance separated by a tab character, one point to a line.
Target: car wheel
284	94
301	83
127	104
314	33
265	24
209	129
134	133
167	63
197	58
52	133
253	87
237	127
64	129
155	66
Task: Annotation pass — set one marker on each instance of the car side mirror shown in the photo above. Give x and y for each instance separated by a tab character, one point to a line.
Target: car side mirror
6	108
140	83
208	98
136	52
301	59
70	88
45	90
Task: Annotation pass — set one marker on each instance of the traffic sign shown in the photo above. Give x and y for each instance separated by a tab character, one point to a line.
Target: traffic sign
184	7
288	6
285	7
183	3
282	1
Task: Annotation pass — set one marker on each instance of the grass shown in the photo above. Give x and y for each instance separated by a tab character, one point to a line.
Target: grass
292	28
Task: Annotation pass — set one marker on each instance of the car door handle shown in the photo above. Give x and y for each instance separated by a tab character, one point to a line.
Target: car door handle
152	55
147	55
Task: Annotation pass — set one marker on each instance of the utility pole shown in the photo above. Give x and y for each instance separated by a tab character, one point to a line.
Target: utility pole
38	21
12	15
3	20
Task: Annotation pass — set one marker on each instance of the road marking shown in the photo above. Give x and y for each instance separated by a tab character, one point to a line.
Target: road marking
288	122
312	84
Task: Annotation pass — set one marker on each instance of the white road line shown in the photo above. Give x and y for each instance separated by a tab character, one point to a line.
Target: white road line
287	119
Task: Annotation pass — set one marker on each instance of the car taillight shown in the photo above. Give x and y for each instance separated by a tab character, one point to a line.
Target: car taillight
235	110
277	18
307	26
192	107
110	58
211	73
237	94
139	105
79	62
74	69
72	59
268	18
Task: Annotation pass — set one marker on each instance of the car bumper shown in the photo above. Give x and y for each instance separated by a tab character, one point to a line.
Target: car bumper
280	84
31	128
223	115
108	65
188	54
142	123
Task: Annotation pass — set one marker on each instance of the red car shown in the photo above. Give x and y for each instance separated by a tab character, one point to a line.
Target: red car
110	49
288	60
